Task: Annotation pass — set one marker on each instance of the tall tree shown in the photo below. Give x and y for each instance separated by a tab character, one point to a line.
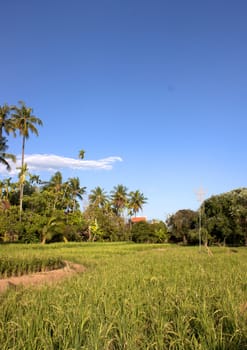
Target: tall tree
75	190
225	217
7	187
56	181
4	155
56	188
136	201
7	126
98	197
6	122
81	154
25	122
182	225
119	199
35	181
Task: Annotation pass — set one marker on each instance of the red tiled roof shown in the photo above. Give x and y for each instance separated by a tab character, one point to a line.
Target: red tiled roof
138	219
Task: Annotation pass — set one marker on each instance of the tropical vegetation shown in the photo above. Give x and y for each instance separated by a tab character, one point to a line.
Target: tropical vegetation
223	220
52	210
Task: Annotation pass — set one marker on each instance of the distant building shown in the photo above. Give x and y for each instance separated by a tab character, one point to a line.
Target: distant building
138	219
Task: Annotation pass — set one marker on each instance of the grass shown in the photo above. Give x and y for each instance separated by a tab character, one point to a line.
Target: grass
131	297
19	264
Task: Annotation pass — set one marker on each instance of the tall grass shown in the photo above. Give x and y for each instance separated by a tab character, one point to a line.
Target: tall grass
19	264
132	297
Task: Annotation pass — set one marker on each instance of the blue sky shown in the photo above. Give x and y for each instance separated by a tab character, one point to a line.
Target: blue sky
155	92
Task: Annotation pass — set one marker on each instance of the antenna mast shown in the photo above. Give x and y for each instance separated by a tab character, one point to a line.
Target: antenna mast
200	193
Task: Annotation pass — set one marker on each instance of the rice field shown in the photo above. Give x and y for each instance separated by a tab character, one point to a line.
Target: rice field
19	265
133	297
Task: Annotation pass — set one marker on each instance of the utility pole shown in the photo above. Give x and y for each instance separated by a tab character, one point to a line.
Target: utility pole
200	197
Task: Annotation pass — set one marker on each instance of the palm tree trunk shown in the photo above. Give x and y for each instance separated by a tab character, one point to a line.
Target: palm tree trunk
22	168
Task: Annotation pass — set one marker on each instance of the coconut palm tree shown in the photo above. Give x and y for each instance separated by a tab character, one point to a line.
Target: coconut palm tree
56	188
6	122
81	154
56	181
22	178
136	201
7	126
3	155
98	197
35	181
119	198
75	191
25	122
8	187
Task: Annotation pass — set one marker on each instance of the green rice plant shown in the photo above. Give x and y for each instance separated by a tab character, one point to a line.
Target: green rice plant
132	297
17	265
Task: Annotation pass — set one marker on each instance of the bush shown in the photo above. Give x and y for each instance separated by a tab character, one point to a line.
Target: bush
144	232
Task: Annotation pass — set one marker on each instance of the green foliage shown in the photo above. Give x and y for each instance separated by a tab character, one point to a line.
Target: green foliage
182	226
54	229
98	197
31	227
225	217
110	225
96	233
144	232
74	226
161	232
223	221
42	205
4	155
119	199
10	226
135	202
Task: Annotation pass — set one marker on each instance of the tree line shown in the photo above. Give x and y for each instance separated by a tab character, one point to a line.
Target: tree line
33	210
52	210
223	221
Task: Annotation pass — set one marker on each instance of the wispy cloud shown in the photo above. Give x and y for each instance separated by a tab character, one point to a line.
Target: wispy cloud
52	162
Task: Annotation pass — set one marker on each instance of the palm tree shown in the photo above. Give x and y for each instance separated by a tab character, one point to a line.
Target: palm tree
22	178
81	154
6	123
98	197
136	201
55	187
75	190
7	187
35	181
55	226
3	155
119	198
56	181
25	122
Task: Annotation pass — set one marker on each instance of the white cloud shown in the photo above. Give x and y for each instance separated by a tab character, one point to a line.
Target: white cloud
52	162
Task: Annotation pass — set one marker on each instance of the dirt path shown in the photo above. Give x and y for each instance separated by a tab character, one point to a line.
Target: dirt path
39	278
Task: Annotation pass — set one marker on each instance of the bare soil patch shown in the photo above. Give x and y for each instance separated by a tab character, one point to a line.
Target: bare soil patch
39	278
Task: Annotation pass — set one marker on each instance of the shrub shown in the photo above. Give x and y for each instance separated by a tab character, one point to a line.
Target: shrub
144	232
